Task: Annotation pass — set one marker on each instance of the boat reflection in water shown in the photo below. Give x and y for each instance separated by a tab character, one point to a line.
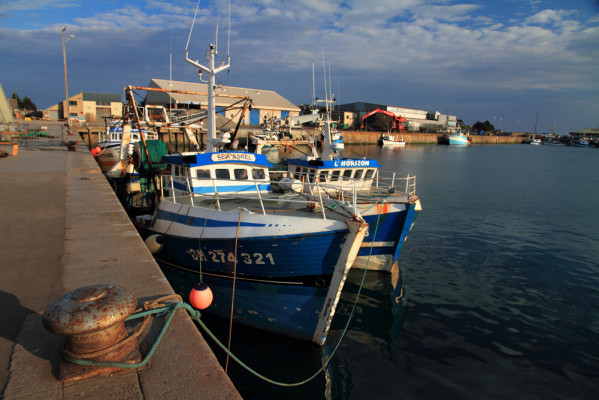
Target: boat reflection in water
376	324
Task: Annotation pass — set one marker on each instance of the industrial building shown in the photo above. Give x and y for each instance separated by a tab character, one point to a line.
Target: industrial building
350	117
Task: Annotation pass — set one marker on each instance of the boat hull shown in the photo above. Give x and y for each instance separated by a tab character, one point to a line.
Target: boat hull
458	140
285	280
393	143
284	309
389	226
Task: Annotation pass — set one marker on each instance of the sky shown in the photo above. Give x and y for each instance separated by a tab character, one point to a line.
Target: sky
518	64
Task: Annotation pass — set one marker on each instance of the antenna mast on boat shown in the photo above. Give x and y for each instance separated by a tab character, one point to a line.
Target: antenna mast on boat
327	153
211	70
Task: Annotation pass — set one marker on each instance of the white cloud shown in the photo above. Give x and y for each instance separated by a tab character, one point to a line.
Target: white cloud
25	5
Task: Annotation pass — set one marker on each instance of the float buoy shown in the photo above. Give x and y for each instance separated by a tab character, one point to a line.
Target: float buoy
155	243
200	296
96	151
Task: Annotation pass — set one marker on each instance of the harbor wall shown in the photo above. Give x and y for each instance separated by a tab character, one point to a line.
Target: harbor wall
176	140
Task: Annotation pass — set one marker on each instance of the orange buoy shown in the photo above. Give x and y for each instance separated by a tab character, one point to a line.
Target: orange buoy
200	296
96	151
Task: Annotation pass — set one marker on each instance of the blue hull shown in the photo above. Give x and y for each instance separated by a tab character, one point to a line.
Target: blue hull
286	258
388	232
284	309
460	141
281	283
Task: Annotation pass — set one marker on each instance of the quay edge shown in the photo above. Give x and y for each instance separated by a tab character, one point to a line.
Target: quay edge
97	245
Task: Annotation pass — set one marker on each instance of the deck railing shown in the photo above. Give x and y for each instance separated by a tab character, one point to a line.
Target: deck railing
313	196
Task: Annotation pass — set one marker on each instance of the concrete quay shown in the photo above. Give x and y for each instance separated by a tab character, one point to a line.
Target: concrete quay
63	228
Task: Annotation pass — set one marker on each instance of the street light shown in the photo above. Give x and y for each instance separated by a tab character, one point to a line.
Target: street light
64	57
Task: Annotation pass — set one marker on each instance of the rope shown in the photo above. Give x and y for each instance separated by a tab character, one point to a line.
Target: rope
233	292
196	316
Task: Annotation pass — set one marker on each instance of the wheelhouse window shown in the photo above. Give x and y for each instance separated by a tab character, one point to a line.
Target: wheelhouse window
369	174
240	173
358	174
222	173
257	173
335	176
203	173
347	173
311	173
323	175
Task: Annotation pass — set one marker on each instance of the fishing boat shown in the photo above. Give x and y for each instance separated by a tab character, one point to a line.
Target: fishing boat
386	201
390	140
458	138
581	142
114	146
274	258
536	141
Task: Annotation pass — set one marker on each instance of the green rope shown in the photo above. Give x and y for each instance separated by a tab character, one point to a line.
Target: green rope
169	310
196	316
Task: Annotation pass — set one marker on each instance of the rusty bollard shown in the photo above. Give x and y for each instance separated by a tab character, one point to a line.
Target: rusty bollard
92	321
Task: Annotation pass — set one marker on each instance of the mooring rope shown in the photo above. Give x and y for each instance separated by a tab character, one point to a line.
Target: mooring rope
233	292
196	316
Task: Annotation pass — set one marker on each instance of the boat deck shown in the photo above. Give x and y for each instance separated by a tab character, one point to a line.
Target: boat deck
294	205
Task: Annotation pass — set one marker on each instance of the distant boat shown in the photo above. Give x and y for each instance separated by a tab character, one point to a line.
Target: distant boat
536	141
581	143
390	140
459	138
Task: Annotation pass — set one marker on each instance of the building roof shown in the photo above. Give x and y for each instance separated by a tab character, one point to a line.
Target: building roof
588	132
101	97
261	99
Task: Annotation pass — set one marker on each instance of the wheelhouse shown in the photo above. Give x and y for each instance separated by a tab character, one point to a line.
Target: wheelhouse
211	173
335	173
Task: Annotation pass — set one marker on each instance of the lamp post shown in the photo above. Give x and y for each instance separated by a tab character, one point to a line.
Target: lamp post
64	57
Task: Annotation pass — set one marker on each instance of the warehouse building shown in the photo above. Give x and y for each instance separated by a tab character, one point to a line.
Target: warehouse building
350	116
266	105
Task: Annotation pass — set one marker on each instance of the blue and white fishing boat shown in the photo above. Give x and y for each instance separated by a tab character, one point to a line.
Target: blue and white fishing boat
581	142
459	138
387	202
273	260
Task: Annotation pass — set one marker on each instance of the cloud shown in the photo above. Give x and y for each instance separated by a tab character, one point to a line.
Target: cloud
26	5
388	51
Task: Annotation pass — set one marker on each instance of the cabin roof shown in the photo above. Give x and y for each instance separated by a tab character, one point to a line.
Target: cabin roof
200	159
336	163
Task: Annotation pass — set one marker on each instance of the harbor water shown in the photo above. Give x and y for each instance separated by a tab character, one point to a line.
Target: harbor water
500	296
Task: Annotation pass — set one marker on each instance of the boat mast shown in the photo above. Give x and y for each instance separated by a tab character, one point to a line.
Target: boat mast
211	70
327	153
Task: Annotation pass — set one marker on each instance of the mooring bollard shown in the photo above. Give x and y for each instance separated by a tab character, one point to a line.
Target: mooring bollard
92	321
